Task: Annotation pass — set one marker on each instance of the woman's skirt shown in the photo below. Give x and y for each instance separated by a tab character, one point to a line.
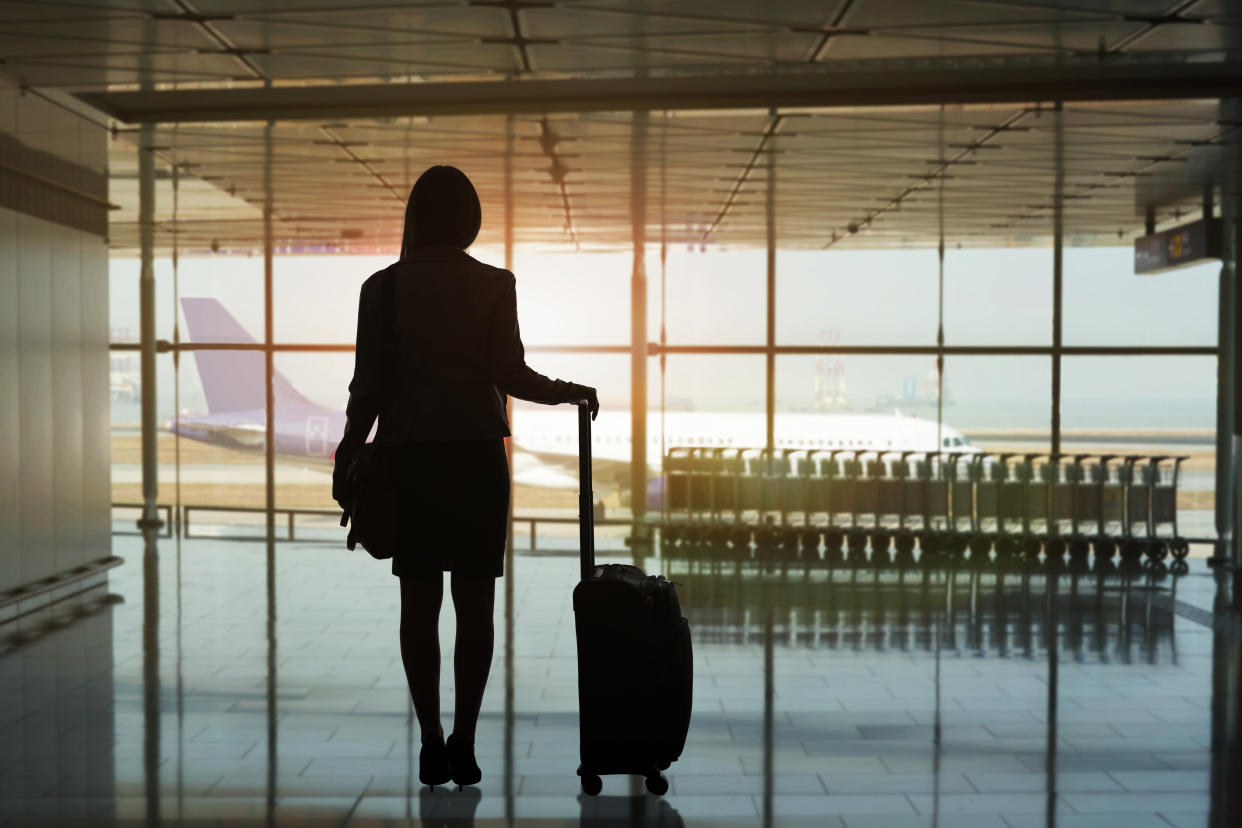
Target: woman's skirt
457	495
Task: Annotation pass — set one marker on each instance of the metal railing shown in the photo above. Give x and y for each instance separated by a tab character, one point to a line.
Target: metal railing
288	517
58	581
166	508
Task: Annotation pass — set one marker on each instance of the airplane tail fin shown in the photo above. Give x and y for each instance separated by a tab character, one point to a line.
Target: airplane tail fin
232	380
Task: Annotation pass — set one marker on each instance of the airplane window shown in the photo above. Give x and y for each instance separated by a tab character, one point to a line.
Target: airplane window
957	441
947	442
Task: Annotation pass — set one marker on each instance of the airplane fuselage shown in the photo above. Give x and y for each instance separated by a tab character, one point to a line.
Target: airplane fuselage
310	434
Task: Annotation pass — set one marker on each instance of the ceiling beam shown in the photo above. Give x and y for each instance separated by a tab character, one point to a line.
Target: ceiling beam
1107	81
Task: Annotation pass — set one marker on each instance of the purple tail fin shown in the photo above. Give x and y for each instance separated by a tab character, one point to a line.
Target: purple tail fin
232	380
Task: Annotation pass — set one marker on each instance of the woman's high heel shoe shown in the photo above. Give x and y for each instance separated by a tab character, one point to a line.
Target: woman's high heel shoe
461	760
433	764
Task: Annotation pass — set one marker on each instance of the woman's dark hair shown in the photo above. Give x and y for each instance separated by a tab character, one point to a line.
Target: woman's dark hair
443	209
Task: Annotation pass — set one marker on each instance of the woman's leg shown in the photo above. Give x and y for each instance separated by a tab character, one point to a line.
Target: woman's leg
473	598
420	648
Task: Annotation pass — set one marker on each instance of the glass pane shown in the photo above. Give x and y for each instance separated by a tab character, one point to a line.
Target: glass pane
854	297
999	397
717	297
711	401
1149	406
316	297
566	299
903	385
708	384
236	282
562	299
219	436
545	450
307	432
1107	304
124	370
998	297
893	399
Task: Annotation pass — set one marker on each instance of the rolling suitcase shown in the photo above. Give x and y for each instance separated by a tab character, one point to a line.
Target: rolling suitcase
634	659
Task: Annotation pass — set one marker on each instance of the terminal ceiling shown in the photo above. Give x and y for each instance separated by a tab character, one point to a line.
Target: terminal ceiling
843	176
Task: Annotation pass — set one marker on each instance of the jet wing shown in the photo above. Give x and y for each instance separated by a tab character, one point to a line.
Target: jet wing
554	471
241	435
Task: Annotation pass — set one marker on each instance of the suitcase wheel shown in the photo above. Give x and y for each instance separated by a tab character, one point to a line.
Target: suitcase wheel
656	784
592	784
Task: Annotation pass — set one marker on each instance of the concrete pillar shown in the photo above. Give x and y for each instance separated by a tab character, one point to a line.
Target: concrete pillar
770	366
269	444
510	698
1058	237
1228	412
638	321
146	303
268	367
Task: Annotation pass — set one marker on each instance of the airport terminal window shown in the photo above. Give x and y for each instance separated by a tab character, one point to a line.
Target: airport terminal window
307	435
315	298
998	296
235	281
566	299
560	302
905	385
994	399
854	297
545	451
1146	406
225	470
714	296
1107	304
708	383
995	403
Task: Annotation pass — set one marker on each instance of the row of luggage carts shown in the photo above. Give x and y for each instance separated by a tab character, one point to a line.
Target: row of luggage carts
872	509
989	613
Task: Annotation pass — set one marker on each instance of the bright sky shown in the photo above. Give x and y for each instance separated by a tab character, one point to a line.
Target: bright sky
1000	296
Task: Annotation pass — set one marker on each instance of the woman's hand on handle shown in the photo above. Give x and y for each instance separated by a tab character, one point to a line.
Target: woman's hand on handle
586	392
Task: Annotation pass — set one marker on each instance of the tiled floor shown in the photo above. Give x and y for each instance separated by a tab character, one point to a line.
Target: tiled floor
848	699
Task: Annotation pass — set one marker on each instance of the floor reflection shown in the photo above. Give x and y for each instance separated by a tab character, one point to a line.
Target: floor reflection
997	612
1226	738
1020	696
60	736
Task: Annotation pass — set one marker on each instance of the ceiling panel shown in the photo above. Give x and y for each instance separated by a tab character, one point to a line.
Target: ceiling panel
879	172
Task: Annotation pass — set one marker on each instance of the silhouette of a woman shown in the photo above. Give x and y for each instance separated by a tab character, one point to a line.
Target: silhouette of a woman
438	390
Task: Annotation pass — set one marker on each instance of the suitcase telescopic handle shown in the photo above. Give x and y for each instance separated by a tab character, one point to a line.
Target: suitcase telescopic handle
586	509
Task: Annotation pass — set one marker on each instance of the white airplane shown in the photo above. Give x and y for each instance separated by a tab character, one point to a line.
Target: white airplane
551	436
307	432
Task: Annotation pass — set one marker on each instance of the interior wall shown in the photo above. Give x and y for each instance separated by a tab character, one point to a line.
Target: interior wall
54	361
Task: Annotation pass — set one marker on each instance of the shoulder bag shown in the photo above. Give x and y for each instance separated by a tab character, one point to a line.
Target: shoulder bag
374	509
